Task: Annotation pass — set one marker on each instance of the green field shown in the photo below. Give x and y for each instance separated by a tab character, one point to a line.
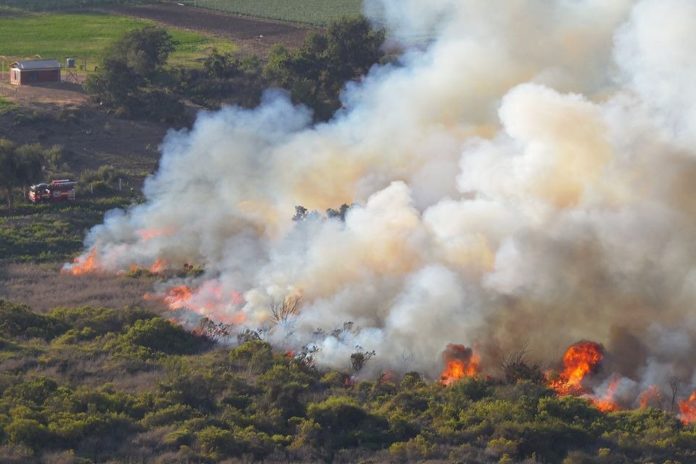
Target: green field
319	12
60	4
86	36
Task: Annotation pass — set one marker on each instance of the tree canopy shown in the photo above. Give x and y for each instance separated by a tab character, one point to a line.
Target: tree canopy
316	73
20	166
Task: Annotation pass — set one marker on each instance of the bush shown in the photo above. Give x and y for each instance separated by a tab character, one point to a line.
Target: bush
254	355
99	320
218	443
19	321
32	392
159	335
28	432
344	424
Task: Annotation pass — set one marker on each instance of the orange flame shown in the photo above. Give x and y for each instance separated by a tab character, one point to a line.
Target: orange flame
158	266
607	403
149	234
687	409
83	264
460	362
178	297
652	397
209	300
579	360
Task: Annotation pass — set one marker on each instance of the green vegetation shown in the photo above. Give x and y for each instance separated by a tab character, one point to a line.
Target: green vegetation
316	73
86	36
133	80
53	232
5	104
90	383
318	12
19	165
38	5
128	81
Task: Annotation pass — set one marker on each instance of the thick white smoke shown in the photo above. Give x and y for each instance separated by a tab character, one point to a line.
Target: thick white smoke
523	177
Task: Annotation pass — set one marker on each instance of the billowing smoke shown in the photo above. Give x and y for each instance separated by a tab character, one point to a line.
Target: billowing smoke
524	176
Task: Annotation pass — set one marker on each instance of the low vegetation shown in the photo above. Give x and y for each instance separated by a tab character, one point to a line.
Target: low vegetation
53	232
5	104
102	384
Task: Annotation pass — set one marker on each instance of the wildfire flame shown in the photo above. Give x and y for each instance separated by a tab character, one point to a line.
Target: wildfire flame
460	362
607	403
83	264
579	360
209	300
158	266
149	234
652	397
687	409
178	297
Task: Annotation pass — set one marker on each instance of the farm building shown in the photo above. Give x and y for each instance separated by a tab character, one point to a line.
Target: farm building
34	72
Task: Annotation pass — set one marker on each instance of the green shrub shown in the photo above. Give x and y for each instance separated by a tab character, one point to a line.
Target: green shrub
19	321
28	432
218	443
162	336
169	415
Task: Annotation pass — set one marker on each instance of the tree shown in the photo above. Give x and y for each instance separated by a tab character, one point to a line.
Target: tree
8	168
19	167
316	73
114	85
124	83
352	48
144	51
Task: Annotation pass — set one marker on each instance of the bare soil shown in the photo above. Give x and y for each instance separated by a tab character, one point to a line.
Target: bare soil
58	93
90	138
252	35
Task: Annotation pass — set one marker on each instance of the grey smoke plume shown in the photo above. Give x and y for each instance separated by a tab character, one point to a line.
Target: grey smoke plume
525	175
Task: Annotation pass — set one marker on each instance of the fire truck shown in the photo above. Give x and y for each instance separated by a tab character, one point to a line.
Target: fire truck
57	190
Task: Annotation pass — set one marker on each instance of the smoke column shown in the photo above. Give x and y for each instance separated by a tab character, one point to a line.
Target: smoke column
523	176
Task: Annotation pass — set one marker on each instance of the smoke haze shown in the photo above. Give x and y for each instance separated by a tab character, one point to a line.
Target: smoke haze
524	176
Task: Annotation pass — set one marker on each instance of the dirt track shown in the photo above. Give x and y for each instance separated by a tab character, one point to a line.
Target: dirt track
252	35
59	93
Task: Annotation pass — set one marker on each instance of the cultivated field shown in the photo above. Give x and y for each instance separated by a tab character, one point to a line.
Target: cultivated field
251	35
318	12
57	4
86	35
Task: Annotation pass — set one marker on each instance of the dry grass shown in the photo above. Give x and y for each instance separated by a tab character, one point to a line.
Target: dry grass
43	287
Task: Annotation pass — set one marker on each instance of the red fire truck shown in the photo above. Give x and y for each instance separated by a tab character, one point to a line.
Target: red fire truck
57	190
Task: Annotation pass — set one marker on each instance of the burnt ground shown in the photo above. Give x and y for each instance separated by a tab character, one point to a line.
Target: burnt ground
252	35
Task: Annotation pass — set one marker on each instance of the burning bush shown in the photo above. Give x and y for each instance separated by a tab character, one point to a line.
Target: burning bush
460	362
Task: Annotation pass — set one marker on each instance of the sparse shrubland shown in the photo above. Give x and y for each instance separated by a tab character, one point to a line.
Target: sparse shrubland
102	384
